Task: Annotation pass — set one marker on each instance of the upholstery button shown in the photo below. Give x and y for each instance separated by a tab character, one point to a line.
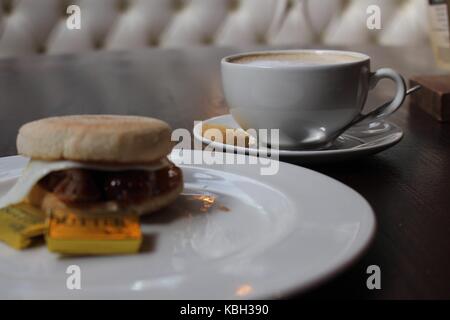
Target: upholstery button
320	37
122	5
261	39
345	4
41	49
207	40
177	5
373	37
233	5
153	42
7	7
64	6
289	5
99	44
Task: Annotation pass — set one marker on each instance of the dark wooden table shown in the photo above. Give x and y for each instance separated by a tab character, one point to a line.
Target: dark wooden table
408	185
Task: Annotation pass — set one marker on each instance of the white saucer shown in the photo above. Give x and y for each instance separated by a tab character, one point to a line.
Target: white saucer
350	145
266	236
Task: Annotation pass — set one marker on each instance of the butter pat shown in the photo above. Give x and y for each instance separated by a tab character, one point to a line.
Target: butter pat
75	234
223	134
20	224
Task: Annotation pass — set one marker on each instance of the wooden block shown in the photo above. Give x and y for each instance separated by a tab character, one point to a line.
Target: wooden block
434	97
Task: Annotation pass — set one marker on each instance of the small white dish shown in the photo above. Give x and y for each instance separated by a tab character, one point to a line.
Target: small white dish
266	236
350	145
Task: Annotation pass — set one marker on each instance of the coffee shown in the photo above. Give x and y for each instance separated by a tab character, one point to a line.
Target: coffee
309	96
294	59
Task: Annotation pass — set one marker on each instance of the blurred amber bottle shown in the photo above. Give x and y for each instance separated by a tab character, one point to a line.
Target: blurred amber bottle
439	17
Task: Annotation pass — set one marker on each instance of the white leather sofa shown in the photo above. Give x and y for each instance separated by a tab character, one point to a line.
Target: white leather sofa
39	26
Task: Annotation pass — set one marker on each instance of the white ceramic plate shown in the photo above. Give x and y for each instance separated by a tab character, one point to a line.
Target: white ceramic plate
266	236
355	143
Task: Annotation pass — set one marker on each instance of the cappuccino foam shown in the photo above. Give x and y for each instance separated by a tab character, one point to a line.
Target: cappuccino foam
294	59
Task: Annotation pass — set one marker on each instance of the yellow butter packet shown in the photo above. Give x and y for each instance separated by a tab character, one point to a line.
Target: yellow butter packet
77	234
20	224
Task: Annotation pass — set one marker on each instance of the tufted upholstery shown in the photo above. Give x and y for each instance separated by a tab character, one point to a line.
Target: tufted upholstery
39	26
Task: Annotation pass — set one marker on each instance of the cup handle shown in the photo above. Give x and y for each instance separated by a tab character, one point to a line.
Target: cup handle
390	107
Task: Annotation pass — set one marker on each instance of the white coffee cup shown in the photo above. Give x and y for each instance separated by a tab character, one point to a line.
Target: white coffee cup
311	96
